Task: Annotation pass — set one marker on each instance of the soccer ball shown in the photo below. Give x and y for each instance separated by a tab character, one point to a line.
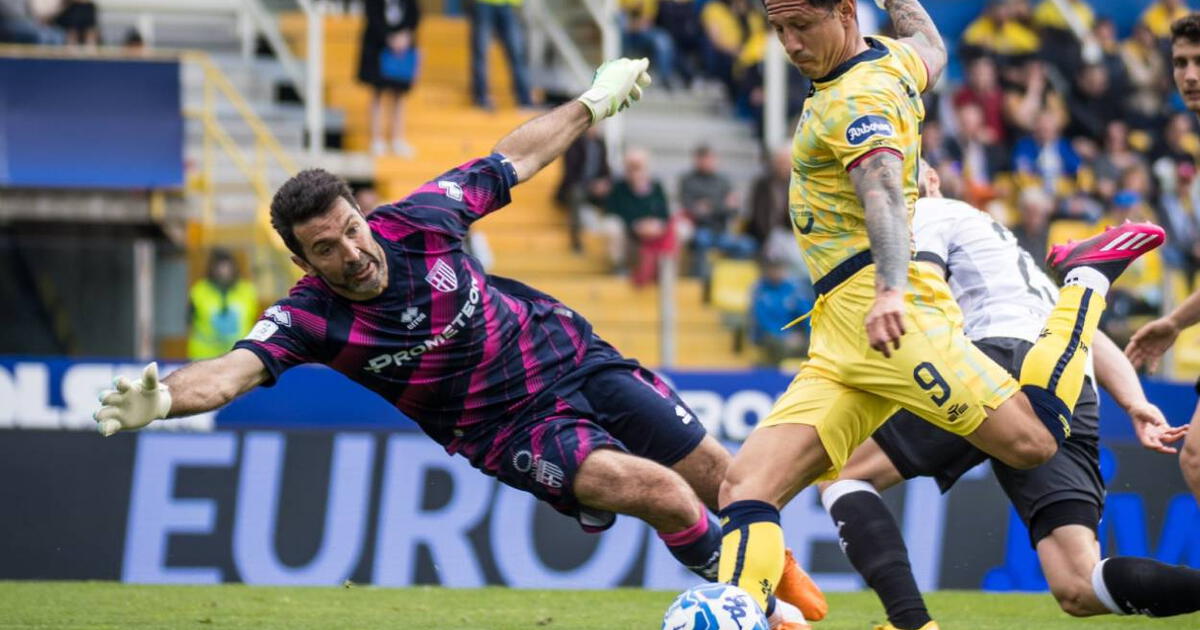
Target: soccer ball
714	607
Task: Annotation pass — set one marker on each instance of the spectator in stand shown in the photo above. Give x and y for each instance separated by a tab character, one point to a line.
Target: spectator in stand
1034	207
1146	68
710	206
1060	46
770	220
776	300
1028	93
1003	30
1046	157
18	26
504	17
736	35
643	232
1105	36
1180	215
78	21
1157	17
643	38
1180	144
982	88
939	149
367	199
1093	104
586	180
982	157
681	18
222	308
1116	157
387	62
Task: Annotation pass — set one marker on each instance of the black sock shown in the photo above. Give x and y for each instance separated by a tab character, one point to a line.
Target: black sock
874	546
1141	586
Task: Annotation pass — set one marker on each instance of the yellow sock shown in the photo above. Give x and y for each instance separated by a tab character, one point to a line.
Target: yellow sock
1058	360
752	549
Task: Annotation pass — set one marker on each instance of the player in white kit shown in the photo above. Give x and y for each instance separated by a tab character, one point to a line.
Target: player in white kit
1005	299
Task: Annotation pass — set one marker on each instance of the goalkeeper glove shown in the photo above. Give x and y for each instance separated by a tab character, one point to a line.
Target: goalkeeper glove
133	404
882	4
616	84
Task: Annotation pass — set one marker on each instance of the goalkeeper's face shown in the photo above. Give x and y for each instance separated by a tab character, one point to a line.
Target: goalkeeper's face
816	34
339	249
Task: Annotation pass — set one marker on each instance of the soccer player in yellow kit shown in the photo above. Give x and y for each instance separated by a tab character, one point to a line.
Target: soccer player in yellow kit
887	332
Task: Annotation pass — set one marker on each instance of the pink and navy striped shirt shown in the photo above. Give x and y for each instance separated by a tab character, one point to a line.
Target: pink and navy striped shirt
458	351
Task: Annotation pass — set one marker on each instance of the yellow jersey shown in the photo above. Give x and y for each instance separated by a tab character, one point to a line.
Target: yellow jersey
870	103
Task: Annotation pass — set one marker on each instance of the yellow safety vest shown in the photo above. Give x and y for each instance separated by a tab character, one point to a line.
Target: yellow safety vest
220	318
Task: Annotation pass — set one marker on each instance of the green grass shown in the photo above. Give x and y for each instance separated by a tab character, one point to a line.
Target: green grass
101	605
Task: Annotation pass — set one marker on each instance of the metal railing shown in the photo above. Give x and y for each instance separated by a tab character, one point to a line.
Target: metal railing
253	19
273	267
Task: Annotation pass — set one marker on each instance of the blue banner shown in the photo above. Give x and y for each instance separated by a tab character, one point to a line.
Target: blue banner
61	393
90	123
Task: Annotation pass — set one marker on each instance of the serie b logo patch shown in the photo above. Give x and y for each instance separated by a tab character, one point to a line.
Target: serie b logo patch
442	277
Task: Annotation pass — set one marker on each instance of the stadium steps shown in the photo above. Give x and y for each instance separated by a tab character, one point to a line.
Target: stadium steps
529	238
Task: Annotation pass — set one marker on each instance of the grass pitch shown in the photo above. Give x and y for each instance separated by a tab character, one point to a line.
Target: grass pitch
104	605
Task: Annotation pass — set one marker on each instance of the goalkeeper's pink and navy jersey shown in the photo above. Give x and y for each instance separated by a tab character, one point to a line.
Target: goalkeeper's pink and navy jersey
458	351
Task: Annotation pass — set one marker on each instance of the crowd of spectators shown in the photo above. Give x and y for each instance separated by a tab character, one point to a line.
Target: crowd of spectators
1059	126
49	22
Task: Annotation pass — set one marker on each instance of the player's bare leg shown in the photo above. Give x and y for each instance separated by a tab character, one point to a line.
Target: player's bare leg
1189	458
1085	586
704	468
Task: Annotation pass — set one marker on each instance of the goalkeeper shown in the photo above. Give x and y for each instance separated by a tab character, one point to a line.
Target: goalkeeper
493	370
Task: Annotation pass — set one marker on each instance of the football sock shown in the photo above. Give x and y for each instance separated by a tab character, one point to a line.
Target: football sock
1052	373
698	547
872	541
1141	586
752	552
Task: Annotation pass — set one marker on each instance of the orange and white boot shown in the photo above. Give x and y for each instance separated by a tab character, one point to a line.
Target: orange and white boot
799	590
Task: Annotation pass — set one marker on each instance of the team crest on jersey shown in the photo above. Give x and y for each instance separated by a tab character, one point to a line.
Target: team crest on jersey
442	277
452	190
866	127
281	317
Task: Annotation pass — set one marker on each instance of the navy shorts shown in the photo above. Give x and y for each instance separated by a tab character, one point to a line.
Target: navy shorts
621	406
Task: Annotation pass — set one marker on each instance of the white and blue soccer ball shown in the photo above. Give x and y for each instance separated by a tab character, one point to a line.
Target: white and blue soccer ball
714	607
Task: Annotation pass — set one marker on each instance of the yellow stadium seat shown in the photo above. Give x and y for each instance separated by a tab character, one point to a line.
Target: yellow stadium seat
731	284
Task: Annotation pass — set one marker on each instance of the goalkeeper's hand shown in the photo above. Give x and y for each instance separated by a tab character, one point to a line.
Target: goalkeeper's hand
616	84
133	404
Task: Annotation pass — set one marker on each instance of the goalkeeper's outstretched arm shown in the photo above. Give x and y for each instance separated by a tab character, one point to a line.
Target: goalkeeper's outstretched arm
194	388
914	27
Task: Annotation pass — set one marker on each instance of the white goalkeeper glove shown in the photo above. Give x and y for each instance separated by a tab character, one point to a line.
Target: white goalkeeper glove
133	404
616	84
882	4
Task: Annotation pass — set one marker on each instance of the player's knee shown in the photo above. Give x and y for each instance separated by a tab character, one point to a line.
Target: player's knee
1189	461
1075	598
1032	450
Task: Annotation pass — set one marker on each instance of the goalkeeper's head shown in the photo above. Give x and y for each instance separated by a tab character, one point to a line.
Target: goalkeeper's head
818	35
315	214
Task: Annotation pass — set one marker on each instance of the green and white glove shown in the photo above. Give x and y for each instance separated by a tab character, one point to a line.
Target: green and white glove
616	84
133	404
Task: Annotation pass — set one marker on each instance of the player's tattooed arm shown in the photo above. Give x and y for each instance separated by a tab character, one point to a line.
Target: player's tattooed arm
540	141
207	385
914	26
878	180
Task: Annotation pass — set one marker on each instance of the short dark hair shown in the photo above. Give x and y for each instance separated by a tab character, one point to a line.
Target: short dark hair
820	4
310	193
1186	27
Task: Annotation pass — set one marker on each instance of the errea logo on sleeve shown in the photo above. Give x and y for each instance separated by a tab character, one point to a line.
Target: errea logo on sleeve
865	127
452	190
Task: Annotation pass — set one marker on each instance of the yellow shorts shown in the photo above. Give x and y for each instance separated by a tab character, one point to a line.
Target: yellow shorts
846	390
